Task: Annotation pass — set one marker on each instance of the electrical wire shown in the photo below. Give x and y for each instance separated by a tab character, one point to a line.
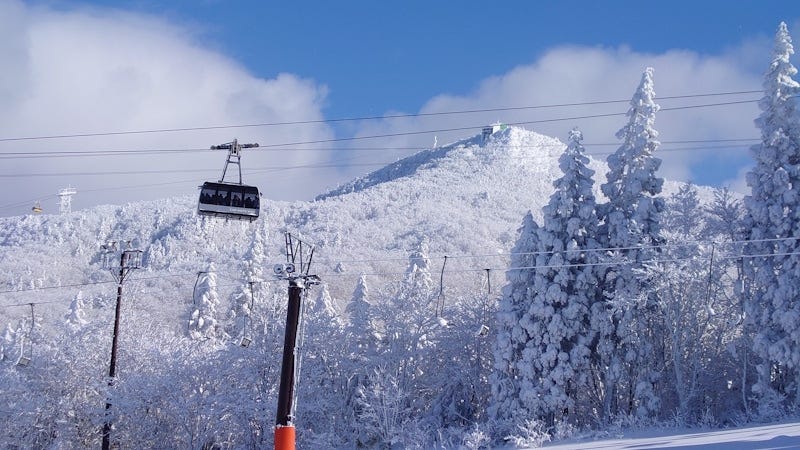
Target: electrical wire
89	283
481	269
147	152
685	243
327	165
339	164
276	147
521	123
364	118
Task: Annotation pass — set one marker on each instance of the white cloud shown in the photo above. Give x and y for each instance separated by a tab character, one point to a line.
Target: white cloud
580	74
100	70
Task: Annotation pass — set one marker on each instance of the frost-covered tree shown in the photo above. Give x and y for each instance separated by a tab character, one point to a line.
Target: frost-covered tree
322	386
726	228
7	343
511	337
556	359
632	213
410	334
76	316
361	334
773	218
203	321
725	215
418	283
255	259
630	228
252	287
241	311
385	417
683	214
362	340
410	327
322	317
696	319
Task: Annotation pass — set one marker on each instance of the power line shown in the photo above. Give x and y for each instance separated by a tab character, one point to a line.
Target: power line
60	286
282	168
560	266
314	166
363	118
100	153
686	243
88	283
530	122
504	269
283	147
321	165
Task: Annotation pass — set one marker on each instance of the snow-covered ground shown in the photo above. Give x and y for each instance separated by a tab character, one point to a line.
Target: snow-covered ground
775	436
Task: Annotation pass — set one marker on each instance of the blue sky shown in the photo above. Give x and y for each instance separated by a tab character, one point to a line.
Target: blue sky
377	56
94	67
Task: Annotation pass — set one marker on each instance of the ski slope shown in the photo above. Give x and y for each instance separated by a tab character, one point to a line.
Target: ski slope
774	436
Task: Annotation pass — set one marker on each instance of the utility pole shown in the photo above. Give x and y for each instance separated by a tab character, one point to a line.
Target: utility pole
296	272
129	260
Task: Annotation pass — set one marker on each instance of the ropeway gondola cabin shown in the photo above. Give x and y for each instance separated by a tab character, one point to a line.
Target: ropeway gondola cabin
230	200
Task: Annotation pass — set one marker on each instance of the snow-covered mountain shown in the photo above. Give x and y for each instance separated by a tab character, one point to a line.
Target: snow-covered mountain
467	199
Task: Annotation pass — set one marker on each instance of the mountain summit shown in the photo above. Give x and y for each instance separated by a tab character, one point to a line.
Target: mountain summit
486	149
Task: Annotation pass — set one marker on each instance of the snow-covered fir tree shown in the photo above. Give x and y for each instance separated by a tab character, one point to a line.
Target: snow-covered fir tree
7	343
418	281
362	337
630	228
511	337
320	364
203	319
321	312
773	218
555	362
632	213
725	216
252	286
683	214
76	316
410	321
413	323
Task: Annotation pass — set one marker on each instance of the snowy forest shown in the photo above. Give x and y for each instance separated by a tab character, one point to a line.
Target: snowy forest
501	291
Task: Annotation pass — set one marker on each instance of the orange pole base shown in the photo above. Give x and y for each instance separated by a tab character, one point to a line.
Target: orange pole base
284	438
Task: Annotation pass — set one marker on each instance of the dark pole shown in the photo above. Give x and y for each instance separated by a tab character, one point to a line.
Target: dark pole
112	369
286	389
284	428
